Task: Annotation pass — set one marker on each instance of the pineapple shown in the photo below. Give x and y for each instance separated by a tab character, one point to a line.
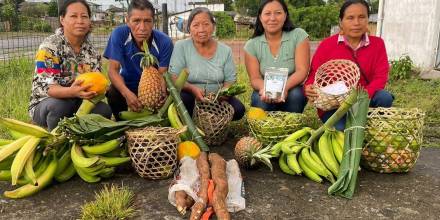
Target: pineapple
150	92
249	152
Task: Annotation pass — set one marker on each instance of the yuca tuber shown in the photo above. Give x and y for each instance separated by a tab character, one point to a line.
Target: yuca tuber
218	175
203	167
181	197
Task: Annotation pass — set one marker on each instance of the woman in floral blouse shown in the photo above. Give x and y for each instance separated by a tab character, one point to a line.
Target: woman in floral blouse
60	58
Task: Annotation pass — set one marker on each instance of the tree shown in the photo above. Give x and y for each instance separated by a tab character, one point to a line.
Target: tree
247	7
34	10
52	10
305	3
374	6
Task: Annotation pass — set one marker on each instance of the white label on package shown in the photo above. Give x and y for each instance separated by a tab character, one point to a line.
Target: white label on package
275	82
337	88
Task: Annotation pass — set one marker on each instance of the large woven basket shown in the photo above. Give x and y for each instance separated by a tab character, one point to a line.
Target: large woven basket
393	139
153	151
213	118
276	126
331	72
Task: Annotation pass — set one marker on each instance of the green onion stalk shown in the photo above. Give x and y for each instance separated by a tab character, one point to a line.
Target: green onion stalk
353	143
184	113
340	113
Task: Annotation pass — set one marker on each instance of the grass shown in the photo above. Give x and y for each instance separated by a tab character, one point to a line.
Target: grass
15	84
112	202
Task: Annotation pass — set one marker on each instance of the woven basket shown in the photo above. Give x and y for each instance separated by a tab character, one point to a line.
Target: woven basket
276	126
213	117
153	151
393	137
329	73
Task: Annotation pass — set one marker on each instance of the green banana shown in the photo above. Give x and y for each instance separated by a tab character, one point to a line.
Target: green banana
307	171
336	147
43	180
78	158
103	147
66	174
291	149
276	149
15	134
282	162
5	142
94	170
11	148
85	176
129	115
326	154
114	161
107	172
118	152
175	121
6	163
24	128
298	134
318	160
63	162
293	164
340	137
314	166
21	158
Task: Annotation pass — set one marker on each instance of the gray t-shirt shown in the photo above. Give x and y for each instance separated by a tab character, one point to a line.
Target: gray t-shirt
259	48
208	74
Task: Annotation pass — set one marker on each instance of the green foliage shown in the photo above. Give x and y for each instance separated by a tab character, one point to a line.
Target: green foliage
316	20
374	6
52	10
110	203
34	24
247	7
34	10
305	3
225	26
401	68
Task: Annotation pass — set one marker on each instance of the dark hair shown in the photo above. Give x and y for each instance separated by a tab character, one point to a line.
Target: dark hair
351	2
287	26
141	5
63	9
197	11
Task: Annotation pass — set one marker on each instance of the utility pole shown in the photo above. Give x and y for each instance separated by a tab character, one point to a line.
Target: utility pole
165	18
60	3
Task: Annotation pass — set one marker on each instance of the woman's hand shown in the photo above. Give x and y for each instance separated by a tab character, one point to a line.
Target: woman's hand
310	92
132	100
80	91
198	93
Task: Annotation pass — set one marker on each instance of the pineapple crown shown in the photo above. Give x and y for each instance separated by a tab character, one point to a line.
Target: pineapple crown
147	59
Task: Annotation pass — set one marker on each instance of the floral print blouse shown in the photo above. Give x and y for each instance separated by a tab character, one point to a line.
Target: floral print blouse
57	63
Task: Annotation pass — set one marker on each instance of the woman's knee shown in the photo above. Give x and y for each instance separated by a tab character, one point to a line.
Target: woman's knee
239	108
382	98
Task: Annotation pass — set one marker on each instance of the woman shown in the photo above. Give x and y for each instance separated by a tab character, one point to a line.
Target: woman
208	61
277	43
60	58
353	43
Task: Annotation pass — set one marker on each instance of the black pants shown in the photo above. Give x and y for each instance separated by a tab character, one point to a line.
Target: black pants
189	100
116	101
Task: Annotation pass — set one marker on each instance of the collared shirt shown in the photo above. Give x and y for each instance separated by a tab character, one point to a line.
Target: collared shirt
122	47
208	74
57	63
259	48
365	41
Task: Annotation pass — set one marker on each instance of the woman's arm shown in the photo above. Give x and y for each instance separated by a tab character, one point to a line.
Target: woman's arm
253	70
302	64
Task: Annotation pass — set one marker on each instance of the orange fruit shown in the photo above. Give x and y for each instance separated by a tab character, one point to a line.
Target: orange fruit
188	148
98	81
256	113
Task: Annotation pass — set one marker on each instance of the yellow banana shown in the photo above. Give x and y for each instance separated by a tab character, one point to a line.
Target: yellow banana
329	175
85	176
43	180
5	142
66	174
336	147
175	121
11	148
29	169
326	154
21	158
298	134
293	164
340	137
310	162
307	171
24	128
78	158
282	162
114	161
103	147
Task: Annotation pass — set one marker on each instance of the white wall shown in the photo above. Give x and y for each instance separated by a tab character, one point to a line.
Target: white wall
412	27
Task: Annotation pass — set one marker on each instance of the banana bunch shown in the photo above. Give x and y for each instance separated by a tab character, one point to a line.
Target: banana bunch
95	162
321	160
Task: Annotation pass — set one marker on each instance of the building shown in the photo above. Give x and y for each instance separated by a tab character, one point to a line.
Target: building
411	27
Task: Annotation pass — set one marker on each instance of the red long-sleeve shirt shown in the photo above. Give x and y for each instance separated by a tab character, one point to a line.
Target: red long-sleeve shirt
372	59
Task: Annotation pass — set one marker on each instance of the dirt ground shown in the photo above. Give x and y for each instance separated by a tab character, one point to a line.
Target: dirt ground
269	195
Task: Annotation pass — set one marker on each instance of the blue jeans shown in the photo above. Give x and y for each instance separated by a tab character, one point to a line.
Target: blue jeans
381	98
295	102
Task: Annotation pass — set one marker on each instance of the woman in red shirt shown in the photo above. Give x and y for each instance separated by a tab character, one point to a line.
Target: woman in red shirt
354	43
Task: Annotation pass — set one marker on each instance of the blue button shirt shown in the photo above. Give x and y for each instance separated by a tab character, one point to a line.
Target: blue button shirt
121	47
